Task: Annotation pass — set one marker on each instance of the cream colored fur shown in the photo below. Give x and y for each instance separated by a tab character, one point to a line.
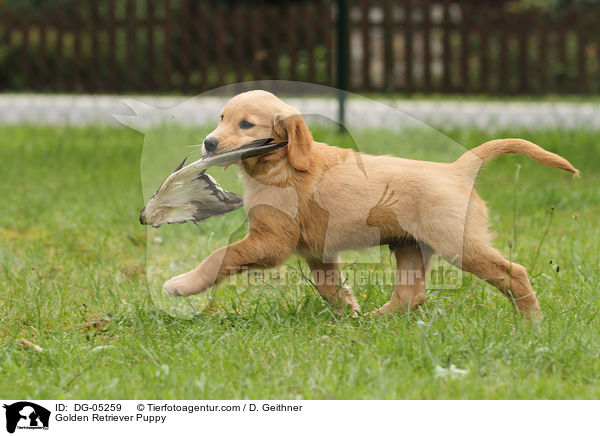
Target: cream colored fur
348	200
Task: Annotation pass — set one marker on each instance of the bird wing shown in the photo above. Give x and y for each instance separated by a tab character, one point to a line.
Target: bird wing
189	194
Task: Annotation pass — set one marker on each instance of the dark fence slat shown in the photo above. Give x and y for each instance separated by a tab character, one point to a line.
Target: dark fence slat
112	81
426	10
42	77
255	42
596	73
75	29
186	26
239	45
484	58
523	43
466	14
130	45
309	15
388	49
408	46
166	64
293	43
447	81
220	50
559	82
503	30
96	70
274	40
26	58
365	42
582	41
5	39
328	26
202	46
59	24
150	64
543	43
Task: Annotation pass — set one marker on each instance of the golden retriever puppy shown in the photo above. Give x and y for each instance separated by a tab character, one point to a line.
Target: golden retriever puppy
341	199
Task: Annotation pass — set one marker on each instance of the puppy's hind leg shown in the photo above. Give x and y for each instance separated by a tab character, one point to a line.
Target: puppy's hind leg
329	280
510	278
412	261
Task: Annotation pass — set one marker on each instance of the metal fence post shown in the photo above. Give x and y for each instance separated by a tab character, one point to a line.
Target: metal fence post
342	66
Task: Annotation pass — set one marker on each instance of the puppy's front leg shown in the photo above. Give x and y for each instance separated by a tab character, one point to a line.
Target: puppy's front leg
200	278
260	250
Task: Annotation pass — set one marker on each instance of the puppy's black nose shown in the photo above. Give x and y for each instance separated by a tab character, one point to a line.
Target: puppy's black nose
210	144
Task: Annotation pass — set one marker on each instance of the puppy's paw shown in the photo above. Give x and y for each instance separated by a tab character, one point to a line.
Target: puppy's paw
373	314
182	286
534	315
352	310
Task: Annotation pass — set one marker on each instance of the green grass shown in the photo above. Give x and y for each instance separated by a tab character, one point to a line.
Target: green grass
72	251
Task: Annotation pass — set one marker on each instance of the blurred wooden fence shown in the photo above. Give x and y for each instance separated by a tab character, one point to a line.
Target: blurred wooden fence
405	46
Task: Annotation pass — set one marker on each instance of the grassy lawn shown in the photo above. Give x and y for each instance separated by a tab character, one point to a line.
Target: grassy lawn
72	280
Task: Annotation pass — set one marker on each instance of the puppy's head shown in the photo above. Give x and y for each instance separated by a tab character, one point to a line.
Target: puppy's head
259	114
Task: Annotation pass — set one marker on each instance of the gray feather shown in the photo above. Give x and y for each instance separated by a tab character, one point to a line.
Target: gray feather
189	194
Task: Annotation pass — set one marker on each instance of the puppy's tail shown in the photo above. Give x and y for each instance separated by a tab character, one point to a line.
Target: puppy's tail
472	160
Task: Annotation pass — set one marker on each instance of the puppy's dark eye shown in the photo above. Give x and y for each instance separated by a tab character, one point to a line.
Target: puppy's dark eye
244	124
221	117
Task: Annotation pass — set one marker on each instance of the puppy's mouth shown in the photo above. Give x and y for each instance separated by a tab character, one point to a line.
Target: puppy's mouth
255	148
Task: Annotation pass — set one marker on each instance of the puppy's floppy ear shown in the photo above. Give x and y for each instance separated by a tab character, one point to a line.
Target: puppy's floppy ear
299	139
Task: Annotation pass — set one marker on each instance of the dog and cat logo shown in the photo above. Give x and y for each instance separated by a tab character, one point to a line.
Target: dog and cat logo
26	415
